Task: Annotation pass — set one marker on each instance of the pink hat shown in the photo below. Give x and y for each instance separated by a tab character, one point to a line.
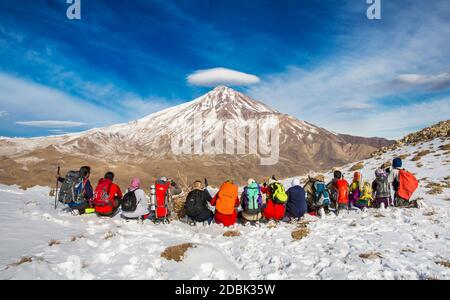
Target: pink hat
135	183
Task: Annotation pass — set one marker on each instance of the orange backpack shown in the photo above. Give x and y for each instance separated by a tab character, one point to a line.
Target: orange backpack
408	184
342	191
226	199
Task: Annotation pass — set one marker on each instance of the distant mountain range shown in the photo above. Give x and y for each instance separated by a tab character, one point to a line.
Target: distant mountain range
146	147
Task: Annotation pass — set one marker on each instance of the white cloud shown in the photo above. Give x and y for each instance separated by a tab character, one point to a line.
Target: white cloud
51	124
358	89
27	100
221	76
3	113
435	82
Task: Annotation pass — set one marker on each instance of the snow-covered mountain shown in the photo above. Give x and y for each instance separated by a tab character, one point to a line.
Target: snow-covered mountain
145	146
374	244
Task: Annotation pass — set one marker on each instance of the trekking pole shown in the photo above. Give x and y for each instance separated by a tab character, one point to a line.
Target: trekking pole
56	190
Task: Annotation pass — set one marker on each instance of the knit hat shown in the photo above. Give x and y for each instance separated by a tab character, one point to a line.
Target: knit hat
197	185
135	183
163	178
397	163
380	173
295	182
337	174
320	177
250	181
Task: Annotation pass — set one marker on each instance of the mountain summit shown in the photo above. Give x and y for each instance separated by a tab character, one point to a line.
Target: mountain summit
145	147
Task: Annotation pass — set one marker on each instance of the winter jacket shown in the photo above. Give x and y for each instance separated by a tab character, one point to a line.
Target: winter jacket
272	210
204	212
142	206
296	205
354	192
310	194
393	178
226	220
88	190
244	202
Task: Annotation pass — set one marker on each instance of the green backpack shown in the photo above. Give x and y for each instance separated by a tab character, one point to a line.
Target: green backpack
278	193
253	193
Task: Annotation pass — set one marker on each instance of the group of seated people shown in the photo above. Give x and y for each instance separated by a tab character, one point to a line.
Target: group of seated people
257	202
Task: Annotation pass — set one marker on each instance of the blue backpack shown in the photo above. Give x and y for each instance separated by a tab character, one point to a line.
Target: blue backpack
252	198
322	195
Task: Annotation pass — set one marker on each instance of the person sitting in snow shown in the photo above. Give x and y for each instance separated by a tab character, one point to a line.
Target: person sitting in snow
196	206
252	202
296	206
83	191
381	190
134	203
274	209
107	196
226	202
311	193
393	178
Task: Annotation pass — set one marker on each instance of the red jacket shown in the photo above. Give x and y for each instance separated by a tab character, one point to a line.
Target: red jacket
114	192
226	220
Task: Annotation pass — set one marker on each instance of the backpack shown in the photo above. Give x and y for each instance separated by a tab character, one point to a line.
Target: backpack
129	202
407	185
252	199
279	195
383	189
195	203
102	192
322	195
310	190
68	192
227	198
341	191
162	199
366	192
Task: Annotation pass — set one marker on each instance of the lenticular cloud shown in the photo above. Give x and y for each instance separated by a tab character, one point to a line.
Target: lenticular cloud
221	76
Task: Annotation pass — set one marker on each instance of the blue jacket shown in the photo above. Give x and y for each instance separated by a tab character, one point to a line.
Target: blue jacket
296	204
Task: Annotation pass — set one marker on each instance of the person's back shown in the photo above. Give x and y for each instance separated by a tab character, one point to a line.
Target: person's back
310	194
381	189
226	202
275	210
342	195
296	205
355	189
135	204
107	196
404	184
83	192
252	202
197	204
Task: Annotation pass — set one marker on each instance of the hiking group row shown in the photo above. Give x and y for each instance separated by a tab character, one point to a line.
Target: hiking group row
257	202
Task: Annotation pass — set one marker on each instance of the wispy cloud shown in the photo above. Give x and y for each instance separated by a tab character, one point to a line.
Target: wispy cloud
360	88
221	76
51	124
431	82
3	113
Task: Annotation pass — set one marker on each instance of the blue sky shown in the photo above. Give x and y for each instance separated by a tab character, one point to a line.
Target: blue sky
321	61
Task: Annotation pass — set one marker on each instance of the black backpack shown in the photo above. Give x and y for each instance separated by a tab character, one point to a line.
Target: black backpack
129	202
67	193
195	203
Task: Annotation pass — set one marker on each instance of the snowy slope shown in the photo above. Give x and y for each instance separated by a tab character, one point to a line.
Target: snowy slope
399	243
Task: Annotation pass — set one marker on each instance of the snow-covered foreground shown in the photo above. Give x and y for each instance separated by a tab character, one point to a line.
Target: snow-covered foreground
397	243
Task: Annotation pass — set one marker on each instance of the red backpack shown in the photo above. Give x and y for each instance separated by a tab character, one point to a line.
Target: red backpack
102	193
342	191
162	199
408	184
